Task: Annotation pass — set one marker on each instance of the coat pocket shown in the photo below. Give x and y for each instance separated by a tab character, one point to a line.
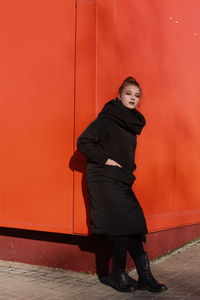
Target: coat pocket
119	174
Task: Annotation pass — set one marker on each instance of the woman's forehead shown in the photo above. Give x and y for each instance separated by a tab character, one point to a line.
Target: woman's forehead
132	88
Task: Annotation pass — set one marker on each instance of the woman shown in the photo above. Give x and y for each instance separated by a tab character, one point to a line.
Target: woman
109	143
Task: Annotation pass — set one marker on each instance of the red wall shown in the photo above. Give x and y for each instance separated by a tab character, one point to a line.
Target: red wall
60	62
82	253
158	43
37	114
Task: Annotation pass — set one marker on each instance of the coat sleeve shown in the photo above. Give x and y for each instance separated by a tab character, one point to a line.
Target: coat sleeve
89	143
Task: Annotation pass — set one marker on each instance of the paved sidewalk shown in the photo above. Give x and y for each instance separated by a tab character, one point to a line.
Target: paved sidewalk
180	270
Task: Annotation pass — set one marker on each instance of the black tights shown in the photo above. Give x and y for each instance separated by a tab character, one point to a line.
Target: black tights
121	244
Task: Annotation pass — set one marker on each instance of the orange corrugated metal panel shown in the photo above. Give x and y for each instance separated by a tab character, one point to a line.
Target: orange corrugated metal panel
37	114
158	43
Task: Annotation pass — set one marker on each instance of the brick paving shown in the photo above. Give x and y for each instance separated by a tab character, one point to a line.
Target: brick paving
179	270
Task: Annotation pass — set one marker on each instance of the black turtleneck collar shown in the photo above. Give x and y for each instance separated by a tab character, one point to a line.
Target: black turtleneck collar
131	119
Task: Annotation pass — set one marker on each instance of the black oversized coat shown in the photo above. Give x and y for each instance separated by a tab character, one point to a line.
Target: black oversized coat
114	208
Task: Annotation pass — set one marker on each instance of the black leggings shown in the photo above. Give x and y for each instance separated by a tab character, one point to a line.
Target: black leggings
121	244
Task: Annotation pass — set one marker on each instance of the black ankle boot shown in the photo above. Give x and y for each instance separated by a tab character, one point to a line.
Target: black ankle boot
146	280
121	281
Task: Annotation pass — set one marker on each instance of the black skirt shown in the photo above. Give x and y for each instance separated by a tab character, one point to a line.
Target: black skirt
114	208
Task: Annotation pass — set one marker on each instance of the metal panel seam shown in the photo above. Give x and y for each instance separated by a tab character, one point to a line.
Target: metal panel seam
74	142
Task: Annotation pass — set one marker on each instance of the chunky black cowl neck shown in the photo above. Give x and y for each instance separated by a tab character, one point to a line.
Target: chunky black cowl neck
131	119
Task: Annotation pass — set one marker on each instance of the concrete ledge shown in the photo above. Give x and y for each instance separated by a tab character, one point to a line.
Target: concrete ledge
82	253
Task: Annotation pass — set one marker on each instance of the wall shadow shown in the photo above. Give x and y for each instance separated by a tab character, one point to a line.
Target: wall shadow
78	163
100	245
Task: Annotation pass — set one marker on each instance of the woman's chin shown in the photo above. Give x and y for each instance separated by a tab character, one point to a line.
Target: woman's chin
130	106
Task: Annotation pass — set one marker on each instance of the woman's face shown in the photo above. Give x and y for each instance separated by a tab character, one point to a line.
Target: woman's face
130	96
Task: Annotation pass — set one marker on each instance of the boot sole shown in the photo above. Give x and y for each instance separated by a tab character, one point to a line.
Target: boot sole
145	288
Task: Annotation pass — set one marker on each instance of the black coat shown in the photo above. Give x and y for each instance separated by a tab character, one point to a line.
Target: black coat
114	208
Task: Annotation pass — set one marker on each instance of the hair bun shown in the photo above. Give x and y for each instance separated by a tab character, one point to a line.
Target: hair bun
130	78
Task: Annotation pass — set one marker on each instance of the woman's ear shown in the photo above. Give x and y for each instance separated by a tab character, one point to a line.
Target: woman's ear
119	97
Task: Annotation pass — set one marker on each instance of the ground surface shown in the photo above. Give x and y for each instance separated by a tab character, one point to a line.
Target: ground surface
180	271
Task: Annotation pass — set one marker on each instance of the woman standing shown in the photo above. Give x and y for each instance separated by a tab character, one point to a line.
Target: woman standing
109	143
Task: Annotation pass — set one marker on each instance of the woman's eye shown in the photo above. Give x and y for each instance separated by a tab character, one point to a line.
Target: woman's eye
128	93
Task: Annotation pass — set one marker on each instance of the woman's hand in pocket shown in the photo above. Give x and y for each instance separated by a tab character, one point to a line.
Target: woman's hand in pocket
111	162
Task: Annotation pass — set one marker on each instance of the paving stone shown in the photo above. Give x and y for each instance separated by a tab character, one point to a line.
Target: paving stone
179	270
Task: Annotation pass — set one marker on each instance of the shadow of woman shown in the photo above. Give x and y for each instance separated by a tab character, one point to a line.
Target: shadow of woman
98	244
